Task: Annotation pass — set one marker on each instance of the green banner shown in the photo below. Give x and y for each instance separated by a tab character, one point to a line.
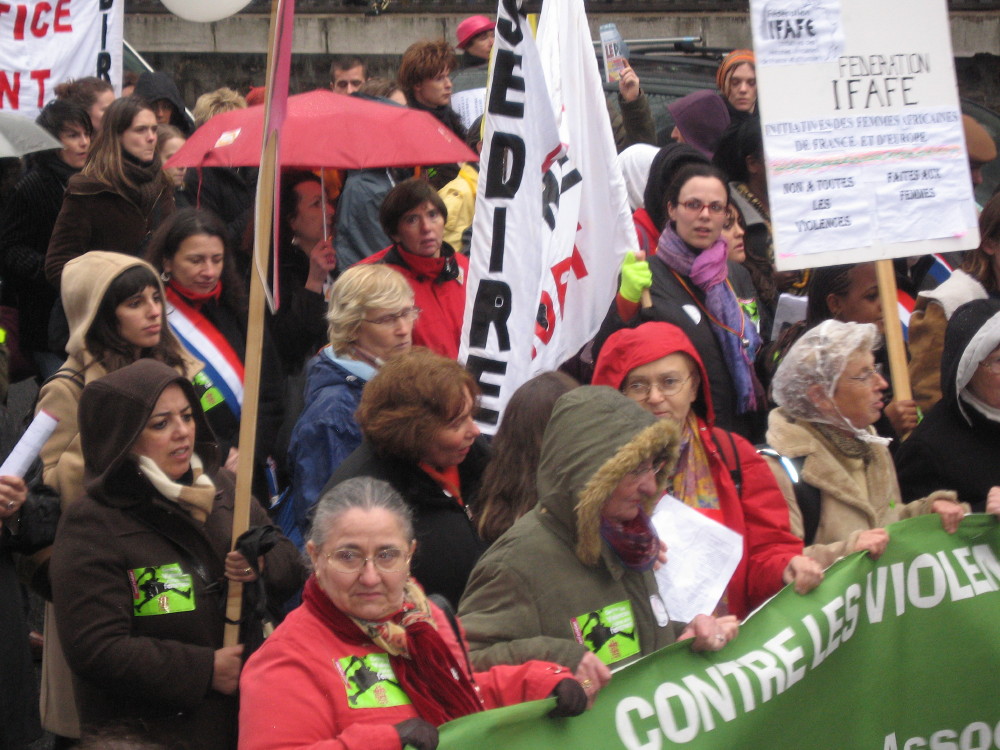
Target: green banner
902	653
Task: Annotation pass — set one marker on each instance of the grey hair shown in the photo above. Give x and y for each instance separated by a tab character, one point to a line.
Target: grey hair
364	493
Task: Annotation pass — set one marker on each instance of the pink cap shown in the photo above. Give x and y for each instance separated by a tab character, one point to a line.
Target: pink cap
470	27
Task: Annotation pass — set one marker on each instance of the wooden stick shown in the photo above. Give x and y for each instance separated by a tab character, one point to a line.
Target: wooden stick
898	369
255	340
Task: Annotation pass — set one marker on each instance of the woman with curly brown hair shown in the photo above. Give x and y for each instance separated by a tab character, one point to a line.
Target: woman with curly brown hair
416	418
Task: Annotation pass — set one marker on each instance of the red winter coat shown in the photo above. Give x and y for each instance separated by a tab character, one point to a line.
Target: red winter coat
438	290
758	513
292	694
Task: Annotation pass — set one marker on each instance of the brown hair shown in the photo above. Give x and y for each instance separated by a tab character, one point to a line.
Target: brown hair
83	91
508	488
106	160
978	263
412	397
406	196
424	60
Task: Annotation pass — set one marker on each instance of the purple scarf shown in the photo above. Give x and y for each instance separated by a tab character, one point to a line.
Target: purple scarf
635	542
708	271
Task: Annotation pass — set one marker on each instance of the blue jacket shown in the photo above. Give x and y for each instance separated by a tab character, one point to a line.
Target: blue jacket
324	435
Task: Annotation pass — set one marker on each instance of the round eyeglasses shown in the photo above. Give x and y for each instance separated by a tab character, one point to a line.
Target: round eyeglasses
407	313
668	385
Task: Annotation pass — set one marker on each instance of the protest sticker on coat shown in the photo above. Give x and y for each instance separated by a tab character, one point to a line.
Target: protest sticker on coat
867	159
47	42
552	223
898	653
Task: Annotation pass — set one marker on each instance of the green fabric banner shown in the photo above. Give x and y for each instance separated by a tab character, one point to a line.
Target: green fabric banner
902	653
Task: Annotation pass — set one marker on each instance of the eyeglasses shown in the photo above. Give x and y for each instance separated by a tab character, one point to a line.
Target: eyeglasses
866	377
655	466
668	385
696	206
407	313
388	560
993	365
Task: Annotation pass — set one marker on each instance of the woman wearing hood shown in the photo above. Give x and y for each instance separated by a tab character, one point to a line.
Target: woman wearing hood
957	444
141	564
121	195
114	305
718	473
582	559
689	285
830	392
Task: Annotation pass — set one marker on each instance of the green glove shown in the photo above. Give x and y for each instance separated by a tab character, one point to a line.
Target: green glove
636	278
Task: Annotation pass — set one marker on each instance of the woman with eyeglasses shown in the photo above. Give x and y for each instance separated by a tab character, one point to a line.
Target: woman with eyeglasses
717	473
689	286
368	660
413	216
957	444
370	319
830	392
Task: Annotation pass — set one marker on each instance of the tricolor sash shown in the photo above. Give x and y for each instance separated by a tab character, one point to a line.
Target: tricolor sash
222	365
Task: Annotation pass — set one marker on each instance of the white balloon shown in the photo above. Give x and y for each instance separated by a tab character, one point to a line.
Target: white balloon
205	12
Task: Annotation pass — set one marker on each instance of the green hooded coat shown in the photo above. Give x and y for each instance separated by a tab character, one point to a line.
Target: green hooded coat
551	583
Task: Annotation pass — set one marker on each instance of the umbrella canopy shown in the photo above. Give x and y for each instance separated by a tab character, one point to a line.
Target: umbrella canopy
324	129
20	136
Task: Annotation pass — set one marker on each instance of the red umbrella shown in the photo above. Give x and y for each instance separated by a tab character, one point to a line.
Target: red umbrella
324	129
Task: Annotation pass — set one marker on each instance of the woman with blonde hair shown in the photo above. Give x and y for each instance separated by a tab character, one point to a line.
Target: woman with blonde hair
370	317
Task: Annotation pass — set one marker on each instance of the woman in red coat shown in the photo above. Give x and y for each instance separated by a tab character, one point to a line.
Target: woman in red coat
657	366
367	661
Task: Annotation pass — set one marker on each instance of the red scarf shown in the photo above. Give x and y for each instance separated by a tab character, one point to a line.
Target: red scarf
438	687
196	298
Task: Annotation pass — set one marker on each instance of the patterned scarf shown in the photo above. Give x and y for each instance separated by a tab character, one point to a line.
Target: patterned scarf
692	482
428	672
196	498
635	542
708	270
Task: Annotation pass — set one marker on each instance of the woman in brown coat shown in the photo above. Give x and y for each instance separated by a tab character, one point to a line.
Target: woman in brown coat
142	563
121	195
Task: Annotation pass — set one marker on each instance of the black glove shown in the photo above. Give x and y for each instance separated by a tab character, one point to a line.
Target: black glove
419	733
571	699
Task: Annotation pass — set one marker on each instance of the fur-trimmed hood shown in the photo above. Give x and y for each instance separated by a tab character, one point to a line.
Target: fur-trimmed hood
594	437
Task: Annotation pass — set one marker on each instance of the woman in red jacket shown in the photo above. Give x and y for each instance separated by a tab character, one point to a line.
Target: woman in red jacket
368	661
657	366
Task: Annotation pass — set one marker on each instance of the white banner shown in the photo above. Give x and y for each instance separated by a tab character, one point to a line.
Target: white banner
862	128
552	222
47	42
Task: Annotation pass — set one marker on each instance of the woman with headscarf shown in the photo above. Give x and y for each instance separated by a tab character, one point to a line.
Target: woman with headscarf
958	442
829	391
978	278
141	565
718	473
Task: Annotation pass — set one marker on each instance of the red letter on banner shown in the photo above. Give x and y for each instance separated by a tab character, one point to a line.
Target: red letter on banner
12	93
40	77
38	27
62	12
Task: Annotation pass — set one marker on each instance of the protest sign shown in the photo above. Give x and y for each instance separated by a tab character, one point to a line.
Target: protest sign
43	44
863	139
552	222
899	653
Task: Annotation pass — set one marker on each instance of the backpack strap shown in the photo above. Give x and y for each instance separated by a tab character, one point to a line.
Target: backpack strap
449	612
806	496
732	461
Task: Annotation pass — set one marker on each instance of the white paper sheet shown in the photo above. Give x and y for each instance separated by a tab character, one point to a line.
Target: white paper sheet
29	446
701	558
